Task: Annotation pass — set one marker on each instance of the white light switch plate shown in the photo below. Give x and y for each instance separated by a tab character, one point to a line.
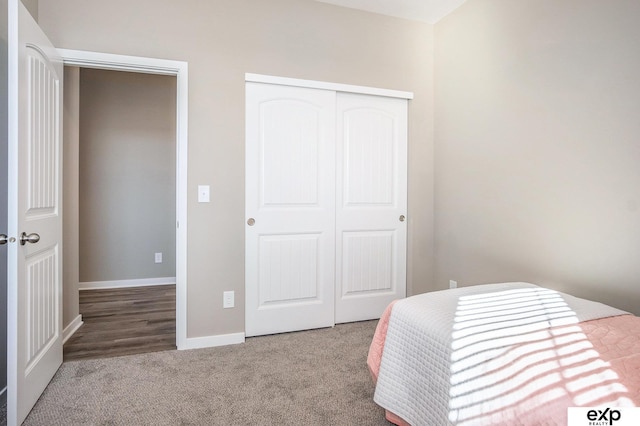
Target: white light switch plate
203	193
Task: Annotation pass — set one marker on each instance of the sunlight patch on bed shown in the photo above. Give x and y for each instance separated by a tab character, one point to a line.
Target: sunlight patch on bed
522	348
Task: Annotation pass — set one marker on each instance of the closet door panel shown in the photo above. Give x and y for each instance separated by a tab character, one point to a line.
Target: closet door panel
290	208
289	145
367	257
371	196
369	158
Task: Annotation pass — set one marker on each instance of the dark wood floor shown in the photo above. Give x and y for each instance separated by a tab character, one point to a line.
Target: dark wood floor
124	321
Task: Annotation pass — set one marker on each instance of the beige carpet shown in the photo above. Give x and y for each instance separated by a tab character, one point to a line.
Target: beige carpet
316	377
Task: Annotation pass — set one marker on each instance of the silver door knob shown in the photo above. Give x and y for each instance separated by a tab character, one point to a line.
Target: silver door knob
31	238
4	239
401	218
251	221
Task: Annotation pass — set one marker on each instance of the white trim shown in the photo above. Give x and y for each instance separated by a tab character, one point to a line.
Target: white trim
142	282
179	69
12	215
338	87
71	328
213	341
86	59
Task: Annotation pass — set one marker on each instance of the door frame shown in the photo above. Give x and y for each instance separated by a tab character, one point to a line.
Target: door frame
179	69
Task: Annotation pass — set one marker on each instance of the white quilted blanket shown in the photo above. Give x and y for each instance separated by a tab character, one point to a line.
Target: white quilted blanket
438	342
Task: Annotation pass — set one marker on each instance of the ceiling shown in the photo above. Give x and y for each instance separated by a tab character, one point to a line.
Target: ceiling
430	11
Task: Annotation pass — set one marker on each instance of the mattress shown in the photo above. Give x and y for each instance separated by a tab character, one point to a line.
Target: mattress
511	353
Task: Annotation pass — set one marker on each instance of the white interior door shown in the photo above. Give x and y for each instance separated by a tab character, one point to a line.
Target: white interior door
35	291
371	206
290	204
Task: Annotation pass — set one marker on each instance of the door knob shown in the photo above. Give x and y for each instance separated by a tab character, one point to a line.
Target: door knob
4	239
251	221
401	218
31	238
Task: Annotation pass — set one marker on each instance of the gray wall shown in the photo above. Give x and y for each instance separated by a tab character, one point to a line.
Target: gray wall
536	107
537	146
32	7
127	175
3	194
222	40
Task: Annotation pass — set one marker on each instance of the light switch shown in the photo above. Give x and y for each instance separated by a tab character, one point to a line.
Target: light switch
203	193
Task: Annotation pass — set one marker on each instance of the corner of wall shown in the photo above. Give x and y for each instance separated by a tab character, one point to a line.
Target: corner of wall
32	7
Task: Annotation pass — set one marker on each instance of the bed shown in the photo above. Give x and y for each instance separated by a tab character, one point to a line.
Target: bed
502	354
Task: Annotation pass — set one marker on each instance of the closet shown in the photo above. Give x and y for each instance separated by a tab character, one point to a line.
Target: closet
326	202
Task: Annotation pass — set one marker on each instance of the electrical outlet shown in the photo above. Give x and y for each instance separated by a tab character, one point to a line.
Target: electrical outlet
228	299
453	284
158	258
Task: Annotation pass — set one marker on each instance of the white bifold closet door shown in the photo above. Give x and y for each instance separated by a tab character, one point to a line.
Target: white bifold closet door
325	198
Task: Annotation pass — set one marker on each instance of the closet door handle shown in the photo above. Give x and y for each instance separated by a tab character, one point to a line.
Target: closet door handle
401	218
251	221
31	238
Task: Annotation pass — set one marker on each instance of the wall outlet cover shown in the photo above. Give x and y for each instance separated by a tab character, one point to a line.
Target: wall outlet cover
228	299
158	258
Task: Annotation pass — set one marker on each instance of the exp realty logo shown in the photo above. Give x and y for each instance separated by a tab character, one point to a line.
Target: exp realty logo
603	416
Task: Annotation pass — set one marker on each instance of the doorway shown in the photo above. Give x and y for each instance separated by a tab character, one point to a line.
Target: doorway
119	211
178	70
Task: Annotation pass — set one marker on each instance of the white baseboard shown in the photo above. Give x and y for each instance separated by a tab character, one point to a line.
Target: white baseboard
142	282
212	341
71	328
